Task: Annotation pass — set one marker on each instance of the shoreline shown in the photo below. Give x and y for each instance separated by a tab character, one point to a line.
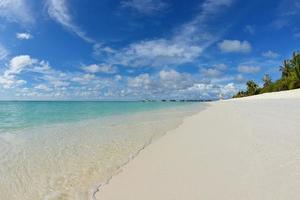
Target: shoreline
67	160
243	157
119	169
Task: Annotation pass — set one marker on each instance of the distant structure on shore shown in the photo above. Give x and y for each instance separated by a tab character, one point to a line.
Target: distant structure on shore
221	97
180	100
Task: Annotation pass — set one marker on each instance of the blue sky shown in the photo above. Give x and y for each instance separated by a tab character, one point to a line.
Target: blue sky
136	49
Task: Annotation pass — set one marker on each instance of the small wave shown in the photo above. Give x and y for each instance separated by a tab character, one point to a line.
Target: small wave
130	158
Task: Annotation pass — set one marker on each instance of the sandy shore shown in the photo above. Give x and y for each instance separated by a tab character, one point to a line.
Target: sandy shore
234	150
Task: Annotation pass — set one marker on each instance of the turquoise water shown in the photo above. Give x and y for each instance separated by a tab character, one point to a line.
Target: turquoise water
64	150
18	115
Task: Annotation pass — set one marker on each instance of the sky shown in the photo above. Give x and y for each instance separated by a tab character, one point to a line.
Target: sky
141	49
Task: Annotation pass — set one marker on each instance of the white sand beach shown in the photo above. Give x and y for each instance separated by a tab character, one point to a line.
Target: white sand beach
237	149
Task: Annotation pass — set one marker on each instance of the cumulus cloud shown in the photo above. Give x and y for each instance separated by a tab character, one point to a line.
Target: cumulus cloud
248	69
83	79
48	82
23	36
141	81
156	53
43	87
58	10
159	85
54	84
164	84
16	11
39	70
234	46
270	54
173	80
15	67
103	68
18	63
229	90
213	71
211	91
147	7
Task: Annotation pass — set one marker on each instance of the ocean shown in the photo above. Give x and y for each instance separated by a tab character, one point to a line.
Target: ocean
65	150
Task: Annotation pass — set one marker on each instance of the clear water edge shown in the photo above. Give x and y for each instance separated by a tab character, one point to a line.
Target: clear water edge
151	124
97	188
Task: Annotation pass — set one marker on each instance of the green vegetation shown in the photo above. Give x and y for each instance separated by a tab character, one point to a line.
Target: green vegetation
290	79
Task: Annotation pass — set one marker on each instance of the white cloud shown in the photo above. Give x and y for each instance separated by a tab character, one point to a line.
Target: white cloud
118	77
210	91
16	66
169	75
103	68
163	83
156	53
140	81
173	80
23	36
234	46
6	82
53	84
147	7
43	87
85	79
248	69
214	71
100	49
46	82
18	63
16	11
270	54
184	46
58	10
211	73
40	70
228	90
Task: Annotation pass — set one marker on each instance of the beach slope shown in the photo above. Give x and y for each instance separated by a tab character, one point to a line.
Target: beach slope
235	149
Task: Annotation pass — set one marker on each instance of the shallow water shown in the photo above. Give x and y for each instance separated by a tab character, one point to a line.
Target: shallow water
65	151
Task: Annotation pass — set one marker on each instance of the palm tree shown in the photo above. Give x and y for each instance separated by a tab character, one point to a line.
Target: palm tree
267	80
252	87
286	69
240	94
296	64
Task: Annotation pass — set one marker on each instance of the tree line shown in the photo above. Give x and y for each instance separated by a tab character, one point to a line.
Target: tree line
290	79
